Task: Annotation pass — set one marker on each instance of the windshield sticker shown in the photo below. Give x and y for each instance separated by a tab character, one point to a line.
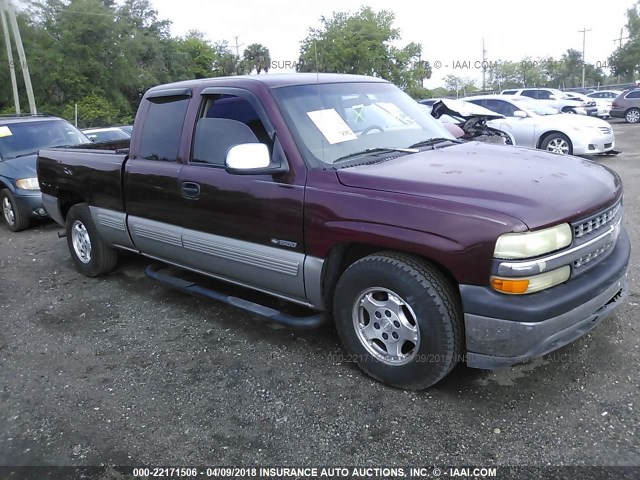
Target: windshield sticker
332	126
393	110
358	113
5	132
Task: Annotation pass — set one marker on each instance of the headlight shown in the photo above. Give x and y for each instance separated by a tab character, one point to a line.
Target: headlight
515	246
535	283
28	184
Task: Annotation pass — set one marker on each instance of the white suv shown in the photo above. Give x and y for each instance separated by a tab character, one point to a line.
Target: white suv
552	97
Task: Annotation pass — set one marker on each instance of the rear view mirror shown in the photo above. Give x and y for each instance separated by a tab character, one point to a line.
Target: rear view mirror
248	156
519	114
251	159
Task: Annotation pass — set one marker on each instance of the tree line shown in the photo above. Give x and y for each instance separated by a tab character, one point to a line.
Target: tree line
103	56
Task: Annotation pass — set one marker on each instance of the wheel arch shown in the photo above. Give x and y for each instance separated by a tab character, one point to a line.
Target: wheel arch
544	136
343	255
67	199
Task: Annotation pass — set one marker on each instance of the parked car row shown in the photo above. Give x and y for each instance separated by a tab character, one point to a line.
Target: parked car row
21	136
531	123
584	101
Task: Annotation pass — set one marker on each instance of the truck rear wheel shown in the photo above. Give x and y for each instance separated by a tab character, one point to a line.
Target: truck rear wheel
89	252
400	319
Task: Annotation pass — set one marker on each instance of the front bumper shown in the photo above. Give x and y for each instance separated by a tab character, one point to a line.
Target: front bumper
30	203
530	326
585	145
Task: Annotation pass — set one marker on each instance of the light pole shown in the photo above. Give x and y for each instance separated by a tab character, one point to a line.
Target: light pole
584	63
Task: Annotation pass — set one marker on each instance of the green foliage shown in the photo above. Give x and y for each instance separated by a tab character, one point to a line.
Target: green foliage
362	43
257	58
625	61
103	55
543	72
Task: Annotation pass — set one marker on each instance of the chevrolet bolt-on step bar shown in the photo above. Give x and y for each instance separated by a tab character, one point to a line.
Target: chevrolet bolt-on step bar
161	274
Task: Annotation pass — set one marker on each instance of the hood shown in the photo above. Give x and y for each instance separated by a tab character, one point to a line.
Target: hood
538	188
21	167
463	110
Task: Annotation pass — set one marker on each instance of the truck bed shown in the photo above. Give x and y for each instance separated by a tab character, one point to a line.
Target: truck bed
92	173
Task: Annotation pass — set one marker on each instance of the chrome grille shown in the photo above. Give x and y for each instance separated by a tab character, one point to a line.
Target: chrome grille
605	130
584	260
596	223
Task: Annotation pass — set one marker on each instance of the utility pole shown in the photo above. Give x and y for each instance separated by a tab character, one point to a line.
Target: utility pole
23	58
484	67
584	63
238	46
12	67
619	40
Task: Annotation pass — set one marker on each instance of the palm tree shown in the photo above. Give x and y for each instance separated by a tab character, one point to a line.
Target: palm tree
257	56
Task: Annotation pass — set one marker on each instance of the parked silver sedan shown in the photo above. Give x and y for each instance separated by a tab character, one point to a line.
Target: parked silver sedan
537	125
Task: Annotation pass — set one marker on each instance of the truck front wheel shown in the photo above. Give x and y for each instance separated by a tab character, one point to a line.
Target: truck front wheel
400	319
89	252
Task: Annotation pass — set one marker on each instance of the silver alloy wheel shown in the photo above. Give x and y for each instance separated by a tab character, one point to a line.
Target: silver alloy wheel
632	116
81	241
386	326
7	210
558	145
570	112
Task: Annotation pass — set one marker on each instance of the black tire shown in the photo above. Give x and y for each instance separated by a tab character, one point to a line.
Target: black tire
15	219
632	115
101	258
569	110
557	139
428	297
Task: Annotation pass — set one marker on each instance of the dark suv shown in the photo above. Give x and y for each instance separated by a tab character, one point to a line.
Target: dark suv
627	106
21	136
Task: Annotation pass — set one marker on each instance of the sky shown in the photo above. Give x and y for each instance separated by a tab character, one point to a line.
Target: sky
451	33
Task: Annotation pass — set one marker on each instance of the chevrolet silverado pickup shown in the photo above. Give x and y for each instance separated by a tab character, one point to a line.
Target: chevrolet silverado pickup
342	194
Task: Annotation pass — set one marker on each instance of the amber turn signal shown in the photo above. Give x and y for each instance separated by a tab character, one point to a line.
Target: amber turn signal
510	286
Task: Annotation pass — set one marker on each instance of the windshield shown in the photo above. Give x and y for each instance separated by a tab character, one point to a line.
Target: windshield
24	138
107	135
333	121
534	106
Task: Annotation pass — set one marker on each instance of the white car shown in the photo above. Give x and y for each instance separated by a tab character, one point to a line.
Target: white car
605	94
553	97
604	99
536	125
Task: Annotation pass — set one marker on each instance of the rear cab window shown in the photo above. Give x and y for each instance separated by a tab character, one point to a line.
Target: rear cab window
162	128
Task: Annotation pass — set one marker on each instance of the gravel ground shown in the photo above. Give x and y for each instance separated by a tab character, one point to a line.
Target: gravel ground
124	371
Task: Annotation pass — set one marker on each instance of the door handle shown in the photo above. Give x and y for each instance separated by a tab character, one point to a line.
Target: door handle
190	190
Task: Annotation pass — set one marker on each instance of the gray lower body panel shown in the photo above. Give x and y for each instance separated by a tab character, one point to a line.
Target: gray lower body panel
265	268
112	227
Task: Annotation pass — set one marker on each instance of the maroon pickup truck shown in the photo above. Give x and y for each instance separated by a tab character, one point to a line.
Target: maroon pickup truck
342	194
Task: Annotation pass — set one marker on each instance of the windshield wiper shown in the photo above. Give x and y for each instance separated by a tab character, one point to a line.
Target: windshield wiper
433	141
376	150
22	155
